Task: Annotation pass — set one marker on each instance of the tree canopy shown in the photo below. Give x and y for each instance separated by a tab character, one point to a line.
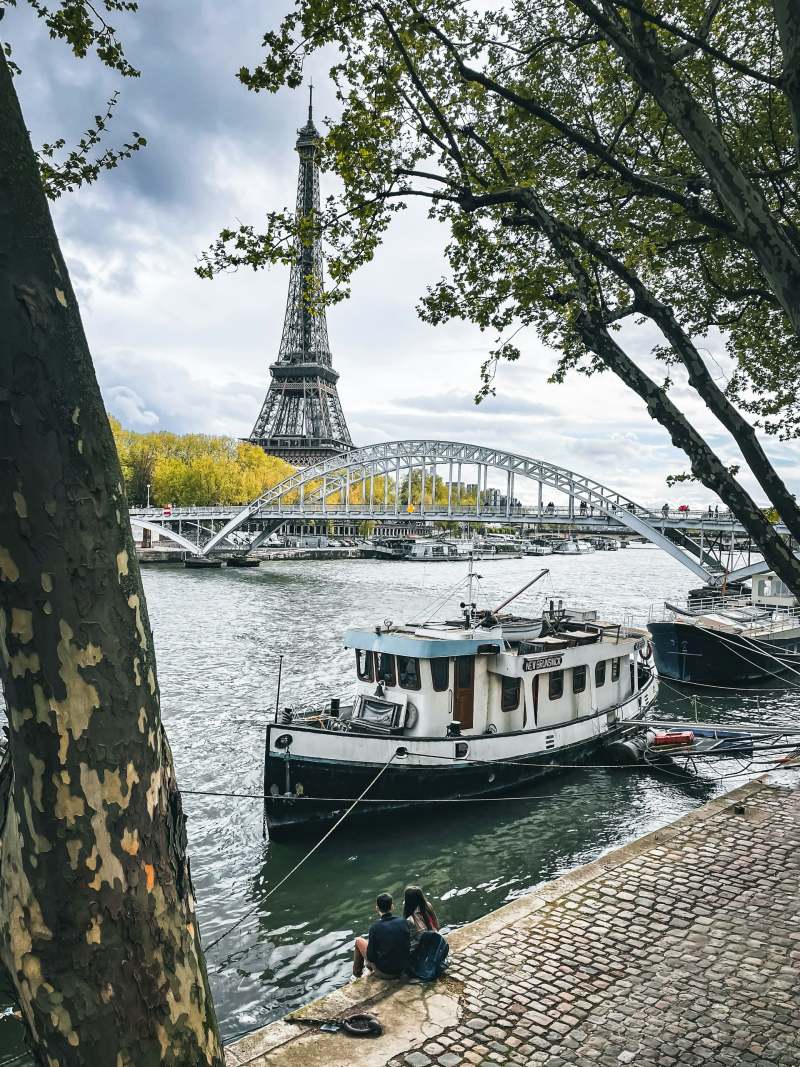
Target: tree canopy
186	469
599	164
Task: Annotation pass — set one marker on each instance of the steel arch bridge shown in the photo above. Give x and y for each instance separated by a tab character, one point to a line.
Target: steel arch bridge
380	471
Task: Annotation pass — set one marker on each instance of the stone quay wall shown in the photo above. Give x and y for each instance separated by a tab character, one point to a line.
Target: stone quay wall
681	949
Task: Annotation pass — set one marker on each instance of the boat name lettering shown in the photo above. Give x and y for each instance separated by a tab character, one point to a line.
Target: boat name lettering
540	664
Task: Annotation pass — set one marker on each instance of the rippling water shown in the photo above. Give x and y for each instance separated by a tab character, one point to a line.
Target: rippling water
218	634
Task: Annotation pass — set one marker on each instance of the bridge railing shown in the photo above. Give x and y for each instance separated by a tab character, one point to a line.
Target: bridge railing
224	511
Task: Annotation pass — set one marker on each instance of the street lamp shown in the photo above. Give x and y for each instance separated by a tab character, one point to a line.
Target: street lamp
148	495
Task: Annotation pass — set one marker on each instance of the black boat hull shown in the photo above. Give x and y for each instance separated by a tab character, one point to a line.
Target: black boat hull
398	787
694	654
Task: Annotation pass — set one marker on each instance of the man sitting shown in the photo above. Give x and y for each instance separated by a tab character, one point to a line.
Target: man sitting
387	949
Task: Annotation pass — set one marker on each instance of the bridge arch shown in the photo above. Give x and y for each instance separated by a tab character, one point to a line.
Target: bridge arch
169	534
390	458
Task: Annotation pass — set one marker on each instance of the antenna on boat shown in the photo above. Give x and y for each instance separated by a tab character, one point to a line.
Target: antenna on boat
514	596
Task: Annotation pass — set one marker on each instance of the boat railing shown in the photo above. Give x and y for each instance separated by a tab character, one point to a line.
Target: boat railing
667	611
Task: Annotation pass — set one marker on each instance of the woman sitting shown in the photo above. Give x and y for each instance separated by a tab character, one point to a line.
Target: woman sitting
418	913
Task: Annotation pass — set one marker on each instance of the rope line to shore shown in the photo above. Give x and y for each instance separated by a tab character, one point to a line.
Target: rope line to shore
765	764
297	866
735	648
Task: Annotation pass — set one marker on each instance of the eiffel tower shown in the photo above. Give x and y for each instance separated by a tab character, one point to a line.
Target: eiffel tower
301	419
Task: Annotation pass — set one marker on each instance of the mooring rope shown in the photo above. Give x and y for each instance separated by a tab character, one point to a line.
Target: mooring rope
297	866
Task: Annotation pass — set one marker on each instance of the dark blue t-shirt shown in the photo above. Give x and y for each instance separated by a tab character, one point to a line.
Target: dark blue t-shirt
389	947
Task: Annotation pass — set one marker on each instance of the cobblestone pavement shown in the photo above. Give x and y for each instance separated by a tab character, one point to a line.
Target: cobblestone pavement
688	953
678	950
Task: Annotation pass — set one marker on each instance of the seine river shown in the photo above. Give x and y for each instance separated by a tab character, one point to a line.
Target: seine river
218	635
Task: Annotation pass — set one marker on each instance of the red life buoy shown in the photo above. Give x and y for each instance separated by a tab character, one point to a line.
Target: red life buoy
647	651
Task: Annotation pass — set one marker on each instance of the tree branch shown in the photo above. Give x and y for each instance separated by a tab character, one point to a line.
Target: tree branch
744	203
592	146
705	463
787	17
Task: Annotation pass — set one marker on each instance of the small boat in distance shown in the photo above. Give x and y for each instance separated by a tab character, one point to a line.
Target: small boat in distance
471	707
572	547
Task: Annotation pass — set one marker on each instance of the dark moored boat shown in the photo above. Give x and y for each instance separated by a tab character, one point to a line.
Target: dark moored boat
728	640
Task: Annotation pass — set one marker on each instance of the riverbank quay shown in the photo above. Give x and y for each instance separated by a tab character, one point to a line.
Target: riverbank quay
681	948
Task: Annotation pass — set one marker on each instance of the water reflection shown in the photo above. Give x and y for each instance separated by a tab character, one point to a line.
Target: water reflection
218	634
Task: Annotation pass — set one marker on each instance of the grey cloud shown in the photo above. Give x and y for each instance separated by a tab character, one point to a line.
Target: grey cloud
163	395
491	407
193	355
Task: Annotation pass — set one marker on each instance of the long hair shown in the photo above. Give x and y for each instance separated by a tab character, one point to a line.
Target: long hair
414	900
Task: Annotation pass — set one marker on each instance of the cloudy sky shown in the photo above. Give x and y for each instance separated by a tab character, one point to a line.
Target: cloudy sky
177	353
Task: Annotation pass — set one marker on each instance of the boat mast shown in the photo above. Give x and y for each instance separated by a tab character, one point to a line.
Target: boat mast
468	606
514	596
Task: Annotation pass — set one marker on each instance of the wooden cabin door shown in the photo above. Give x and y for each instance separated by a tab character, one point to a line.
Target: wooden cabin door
463	690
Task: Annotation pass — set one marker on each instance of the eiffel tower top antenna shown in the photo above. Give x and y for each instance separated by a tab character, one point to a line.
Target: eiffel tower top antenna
310	100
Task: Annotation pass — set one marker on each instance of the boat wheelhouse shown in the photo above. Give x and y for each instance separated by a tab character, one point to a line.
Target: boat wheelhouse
465	708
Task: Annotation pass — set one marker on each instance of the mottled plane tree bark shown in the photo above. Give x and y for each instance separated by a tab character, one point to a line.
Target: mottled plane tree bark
98	930
599	164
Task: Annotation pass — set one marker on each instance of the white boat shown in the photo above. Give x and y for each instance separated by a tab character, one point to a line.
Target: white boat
572	547
533	548
492	547
606	544
468	708
433	550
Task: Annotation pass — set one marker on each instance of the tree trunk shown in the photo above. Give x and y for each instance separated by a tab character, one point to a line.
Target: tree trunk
97	919
705	464
765	237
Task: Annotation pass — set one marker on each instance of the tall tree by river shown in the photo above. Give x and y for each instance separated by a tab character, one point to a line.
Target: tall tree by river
600	164
98	931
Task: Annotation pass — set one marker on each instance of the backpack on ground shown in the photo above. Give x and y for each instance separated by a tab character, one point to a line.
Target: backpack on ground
429	958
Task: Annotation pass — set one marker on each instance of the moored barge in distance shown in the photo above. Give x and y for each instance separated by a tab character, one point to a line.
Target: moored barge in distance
469	708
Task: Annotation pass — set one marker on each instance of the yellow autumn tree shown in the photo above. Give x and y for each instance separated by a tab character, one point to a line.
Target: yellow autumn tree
187	469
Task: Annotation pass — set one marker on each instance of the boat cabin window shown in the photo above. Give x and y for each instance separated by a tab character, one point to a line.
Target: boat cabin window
614	670
364	665
509	696
385	668
408	672
556	684
578	679
600	673
440	674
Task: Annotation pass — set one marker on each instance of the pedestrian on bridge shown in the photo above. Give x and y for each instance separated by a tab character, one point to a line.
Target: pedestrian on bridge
665	511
